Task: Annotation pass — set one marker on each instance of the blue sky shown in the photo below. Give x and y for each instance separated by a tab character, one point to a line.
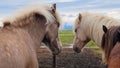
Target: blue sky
8	6
68	9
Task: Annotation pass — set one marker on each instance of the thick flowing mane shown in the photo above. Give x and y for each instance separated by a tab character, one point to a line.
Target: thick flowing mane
92	24
23	16
109	40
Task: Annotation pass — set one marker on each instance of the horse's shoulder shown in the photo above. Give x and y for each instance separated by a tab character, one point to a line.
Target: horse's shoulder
114	62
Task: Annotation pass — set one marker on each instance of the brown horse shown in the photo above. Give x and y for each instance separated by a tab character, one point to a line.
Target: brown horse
22	35
88	26
111	46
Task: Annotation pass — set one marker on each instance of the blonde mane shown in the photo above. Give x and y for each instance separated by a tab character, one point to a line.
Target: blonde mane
40	9
92	24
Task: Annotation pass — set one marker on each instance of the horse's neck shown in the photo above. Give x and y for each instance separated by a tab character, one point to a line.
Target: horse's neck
94	29
91	31
37	33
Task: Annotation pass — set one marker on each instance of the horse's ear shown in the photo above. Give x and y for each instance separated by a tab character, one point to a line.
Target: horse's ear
105	28
80	16
54	8
6	24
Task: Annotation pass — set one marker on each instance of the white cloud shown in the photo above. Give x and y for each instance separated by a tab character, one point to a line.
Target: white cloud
111	2
68	18
114	14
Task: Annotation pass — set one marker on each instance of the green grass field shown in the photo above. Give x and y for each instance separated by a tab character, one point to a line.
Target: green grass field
66	37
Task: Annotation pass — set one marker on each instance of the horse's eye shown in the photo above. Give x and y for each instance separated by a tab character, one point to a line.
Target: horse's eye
75	30
58	24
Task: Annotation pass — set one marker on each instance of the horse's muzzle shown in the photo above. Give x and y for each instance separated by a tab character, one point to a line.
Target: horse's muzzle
57	51
76	49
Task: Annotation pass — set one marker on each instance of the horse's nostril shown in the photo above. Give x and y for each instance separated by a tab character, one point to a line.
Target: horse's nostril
59	50
76	49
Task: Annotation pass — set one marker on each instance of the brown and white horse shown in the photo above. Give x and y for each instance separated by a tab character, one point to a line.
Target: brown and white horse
111	46
22	35
88	26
